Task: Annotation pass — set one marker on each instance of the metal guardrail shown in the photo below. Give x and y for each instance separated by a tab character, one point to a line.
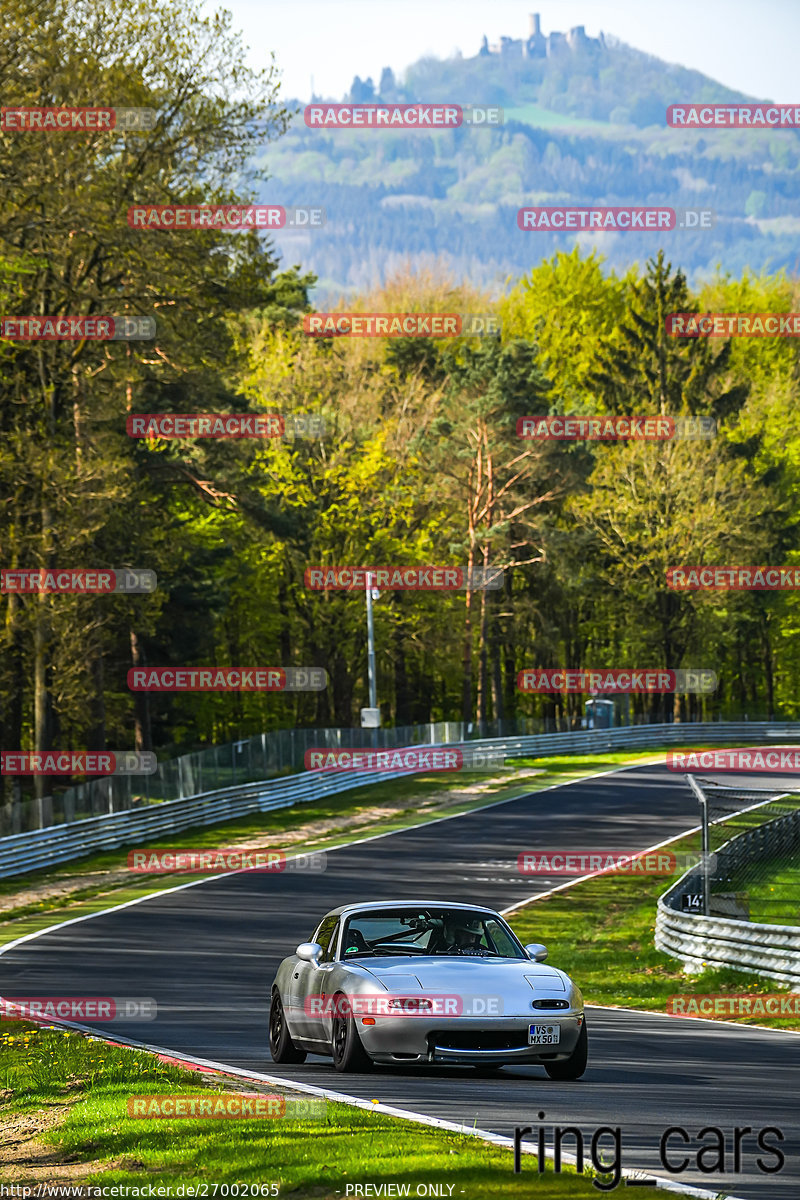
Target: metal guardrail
757	949
263	756
55	844
61	843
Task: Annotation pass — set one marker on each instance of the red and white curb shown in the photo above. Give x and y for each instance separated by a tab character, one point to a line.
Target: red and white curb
207	1066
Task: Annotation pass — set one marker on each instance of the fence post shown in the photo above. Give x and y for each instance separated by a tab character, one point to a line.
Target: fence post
698	791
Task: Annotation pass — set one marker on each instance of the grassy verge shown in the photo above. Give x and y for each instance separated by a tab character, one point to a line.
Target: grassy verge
68	1095
773	890
63	1101
88	885
601	933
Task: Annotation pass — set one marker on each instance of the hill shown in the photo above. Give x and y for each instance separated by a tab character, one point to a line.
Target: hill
584	123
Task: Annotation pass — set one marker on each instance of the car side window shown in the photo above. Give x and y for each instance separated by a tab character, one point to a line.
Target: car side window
330	949
503	944
324	935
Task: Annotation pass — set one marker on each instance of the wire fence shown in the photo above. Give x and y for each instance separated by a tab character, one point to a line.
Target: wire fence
757	875
261	757
250	760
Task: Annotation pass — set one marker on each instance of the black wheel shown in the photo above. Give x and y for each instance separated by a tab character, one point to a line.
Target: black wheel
574	1066
348	1053
281	1046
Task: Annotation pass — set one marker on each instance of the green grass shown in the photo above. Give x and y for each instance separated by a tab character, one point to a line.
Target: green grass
81	1088
601	933
773	890
772	885
427	793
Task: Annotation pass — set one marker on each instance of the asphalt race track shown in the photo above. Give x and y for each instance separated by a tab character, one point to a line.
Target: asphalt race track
208	953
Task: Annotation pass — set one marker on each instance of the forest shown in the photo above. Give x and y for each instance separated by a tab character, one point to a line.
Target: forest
413	456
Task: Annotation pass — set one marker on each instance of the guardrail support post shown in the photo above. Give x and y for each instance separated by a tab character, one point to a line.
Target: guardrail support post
698	791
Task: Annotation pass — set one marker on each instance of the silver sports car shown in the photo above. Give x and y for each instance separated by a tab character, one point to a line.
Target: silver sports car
423	981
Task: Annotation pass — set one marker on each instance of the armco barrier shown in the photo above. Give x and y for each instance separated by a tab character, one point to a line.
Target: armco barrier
30	851
769	950
263	756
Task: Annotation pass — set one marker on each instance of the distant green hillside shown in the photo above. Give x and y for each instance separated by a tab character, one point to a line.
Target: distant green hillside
544	118
585	125
599	82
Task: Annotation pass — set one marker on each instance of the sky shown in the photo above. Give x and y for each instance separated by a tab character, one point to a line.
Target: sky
749	47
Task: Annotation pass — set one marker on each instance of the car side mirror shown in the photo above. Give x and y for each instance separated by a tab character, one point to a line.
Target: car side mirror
309	952
536	951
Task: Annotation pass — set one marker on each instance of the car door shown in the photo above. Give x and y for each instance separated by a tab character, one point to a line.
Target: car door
303	982
318	990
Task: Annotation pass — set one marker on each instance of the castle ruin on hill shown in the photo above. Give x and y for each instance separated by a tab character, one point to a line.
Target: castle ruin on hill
536	45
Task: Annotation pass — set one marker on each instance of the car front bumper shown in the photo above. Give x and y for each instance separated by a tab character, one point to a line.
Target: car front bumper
479	1041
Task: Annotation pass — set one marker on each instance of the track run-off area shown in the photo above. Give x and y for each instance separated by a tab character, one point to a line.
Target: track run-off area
207	953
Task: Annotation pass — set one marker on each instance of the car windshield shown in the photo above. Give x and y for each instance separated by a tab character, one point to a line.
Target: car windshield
415	931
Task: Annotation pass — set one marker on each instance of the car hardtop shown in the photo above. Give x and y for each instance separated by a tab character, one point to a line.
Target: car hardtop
379	904
345	910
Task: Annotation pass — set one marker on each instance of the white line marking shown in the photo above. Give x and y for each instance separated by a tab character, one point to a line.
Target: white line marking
355	1101
390	1110
29	937
621	1007
593	874
652	1012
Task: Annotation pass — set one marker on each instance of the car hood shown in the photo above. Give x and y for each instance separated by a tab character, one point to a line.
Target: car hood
454	974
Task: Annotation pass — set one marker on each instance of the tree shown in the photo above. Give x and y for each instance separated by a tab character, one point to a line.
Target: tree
497	481
655	505
66	242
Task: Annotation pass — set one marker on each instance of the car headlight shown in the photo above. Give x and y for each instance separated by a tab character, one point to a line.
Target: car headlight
411	1004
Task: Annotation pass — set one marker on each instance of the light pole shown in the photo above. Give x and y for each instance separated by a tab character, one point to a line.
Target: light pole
373	701
371	717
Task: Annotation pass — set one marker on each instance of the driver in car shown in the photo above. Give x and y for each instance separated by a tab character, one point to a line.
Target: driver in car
463	938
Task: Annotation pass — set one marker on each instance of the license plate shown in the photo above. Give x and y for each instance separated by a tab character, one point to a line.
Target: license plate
544	1035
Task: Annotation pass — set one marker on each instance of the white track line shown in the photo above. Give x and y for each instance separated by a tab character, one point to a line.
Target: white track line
561	887
355	1101
191	1062
621	1007
101	912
